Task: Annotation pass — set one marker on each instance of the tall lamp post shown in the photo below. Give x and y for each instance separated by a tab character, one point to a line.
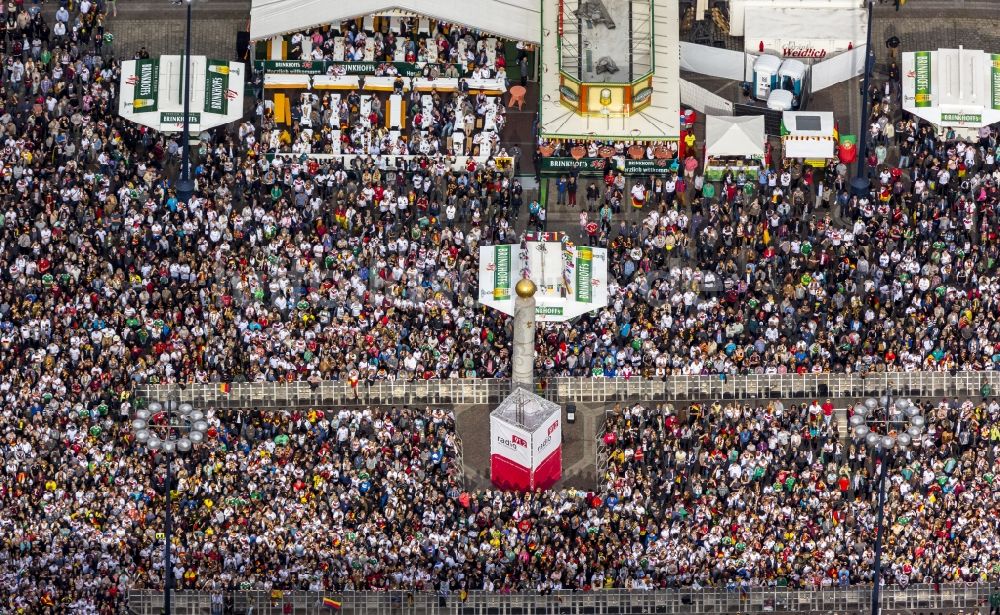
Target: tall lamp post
172	428
895	428
861	184
185	185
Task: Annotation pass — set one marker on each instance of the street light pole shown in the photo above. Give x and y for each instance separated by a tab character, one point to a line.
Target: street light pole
879	530
861	184
887	436
185	185
170	428
168	571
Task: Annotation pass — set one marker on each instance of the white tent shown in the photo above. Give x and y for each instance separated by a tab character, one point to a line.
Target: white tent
738	9
513	19
734	136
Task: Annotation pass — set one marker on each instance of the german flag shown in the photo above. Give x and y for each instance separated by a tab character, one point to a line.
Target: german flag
224	388
331	603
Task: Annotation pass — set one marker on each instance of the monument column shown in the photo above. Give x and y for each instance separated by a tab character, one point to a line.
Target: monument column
523	361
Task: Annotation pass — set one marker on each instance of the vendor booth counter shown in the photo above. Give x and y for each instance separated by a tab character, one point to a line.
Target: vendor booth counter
733	144
808	135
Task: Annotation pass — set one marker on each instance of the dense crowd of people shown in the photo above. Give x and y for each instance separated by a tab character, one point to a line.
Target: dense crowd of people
408	40
449	106
790	272
746	494
285	268
438	125
296	268
726	496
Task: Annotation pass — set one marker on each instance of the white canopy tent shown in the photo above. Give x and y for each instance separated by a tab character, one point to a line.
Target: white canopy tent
512	19
734	136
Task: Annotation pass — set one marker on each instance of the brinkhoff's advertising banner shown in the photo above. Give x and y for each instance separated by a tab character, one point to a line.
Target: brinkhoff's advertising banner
584	274
570	280
600	166
995	80
216	86
501	272
322	67
146	85
152	92
922	79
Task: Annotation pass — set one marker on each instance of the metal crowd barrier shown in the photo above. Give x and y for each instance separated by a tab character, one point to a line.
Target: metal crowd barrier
928	600
483	391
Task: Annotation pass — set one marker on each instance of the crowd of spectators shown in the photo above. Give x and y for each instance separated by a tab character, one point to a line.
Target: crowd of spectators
408	40
435	124
299	499
450	107
745	494
784	273
726	496
791	273
289	268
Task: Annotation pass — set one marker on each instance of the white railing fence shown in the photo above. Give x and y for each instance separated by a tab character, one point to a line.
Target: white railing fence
482	391
944	599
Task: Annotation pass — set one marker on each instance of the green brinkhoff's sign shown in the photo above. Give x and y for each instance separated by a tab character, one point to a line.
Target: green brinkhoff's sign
548	310
147	86
501	277
320	67
178	118
962	118
216	86
584	275
922	78
995	80
598	166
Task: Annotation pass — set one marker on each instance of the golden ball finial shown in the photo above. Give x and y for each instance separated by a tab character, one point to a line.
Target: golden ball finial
525	288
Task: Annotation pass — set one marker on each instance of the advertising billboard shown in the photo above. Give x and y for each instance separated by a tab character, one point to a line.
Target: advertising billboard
510	442
570	280
157	85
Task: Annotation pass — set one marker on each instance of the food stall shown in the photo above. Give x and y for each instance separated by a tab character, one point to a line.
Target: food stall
734	144
808	135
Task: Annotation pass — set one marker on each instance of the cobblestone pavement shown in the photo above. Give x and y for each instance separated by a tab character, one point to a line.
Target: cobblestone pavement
214	37
159	26
933	28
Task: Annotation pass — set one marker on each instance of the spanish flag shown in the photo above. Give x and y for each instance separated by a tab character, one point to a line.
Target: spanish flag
331	603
